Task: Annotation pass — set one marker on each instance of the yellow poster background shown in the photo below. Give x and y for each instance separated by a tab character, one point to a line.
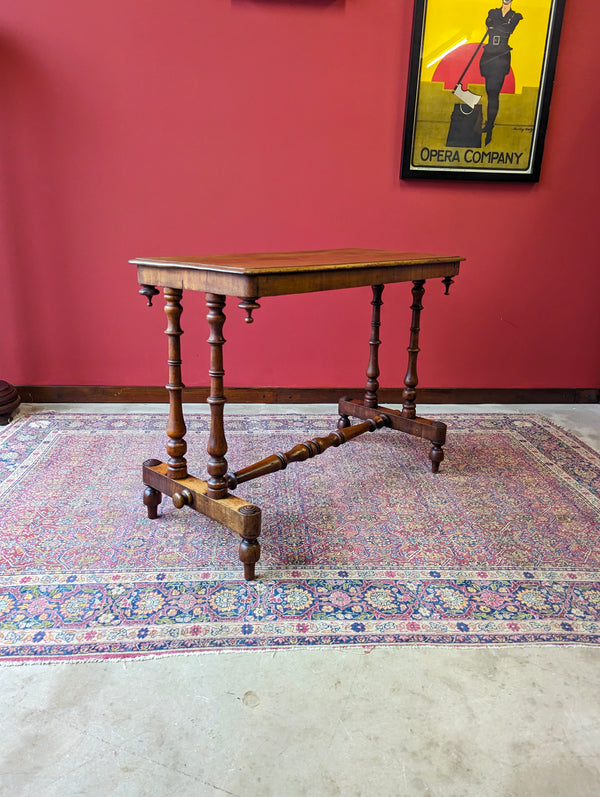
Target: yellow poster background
446	25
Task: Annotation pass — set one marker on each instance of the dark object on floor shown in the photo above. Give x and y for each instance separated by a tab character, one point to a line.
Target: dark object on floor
9	401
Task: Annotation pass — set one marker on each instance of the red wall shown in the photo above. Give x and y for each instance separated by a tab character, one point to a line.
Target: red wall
139	129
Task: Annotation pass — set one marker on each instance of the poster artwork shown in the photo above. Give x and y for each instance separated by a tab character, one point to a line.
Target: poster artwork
479	88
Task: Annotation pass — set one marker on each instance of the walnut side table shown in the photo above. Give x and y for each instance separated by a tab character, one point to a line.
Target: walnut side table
249	277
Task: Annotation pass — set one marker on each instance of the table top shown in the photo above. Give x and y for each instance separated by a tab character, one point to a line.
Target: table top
279	262
277	273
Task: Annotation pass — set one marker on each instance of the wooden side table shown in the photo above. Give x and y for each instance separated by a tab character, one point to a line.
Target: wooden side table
249	277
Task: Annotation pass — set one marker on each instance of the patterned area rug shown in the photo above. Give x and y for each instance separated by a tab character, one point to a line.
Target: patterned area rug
361	546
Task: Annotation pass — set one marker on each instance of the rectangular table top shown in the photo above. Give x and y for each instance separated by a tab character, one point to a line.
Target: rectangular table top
278	273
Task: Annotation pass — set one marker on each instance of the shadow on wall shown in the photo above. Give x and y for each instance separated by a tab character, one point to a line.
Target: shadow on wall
33	228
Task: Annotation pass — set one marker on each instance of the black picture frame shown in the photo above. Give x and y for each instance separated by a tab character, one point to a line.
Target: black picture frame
446	132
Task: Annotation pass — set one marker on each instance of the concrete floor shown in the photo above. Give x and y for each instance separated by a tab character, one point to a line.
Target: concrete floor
505	722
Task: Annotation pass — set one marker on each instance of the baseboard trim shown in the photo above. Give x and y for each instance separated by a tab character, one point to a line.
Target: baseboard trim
86	394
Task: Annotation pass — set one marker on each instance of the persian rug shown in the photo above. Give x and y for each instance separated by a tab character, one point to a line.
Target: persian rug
361	546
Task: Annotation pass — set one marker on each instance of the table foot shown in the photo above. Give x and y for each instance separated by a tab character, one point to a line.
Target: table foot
249	556
250	546
344	420
235	513
434	431
152	499
436	455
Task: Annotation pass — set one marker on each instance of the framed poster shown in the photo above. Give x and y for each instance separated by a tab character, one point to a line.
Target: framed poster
479	88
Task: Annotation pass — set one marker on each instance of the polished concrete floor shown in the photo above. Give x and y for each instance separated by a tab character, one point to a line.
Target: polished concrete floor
501	722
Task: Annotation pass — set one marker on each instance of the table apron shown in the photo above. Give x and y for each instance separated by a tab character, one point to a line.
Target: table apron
282	284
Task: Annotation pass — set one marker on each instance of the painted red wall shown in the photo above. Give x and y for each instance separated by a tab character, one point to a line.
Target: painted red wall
138	129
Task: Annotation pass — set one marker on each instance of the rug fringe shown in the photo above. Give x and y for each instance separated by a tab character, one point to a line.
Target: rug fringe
365	650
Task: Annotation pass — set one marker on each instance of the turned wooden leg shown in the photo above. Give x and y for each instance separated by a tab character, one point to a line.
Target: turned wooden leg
217	444
250	546
409	394
372	385
176	445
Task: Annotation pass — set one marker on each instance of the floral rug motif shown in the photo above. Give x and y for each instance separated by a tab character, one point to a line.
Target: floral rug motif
361	546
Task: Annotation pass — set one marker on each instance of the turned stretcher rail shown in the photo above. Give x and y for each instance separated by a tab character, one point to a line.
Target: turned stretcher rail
306	450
